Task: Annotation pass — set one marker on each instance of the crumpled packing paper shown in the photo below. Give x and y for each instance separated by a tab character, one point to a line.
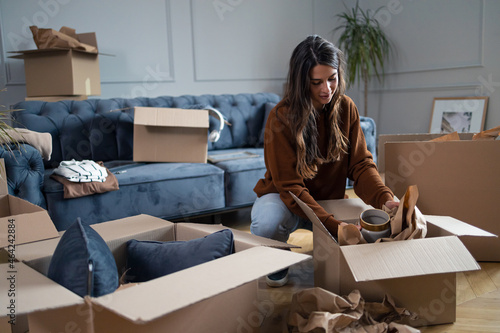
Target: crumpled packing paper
319	310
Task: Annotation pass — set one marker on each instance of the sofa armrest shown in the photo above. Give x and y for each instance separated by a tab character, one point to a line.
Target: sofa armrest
370	131
25	173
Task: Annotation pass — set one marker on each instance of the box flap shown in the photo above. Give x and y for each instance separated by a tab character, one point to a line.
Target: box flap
170	117
247	239
312	217
129	226
199	283
457	227
33	291
27	221
415	257
347	210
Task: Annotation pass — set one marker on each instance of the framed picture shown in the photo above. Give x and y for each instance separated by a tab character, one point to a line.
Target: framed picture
458	114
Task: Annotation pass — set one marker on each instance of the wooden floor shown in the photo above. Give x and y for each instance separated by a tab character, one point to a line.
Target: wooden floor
478	292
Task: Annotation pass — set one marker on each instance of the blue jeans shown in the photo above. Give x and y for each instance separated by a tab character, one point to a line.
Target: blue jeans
271	218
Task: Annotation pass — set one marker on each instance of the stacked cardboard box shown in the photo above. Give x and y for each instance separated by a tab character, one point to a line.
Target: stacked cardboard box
456	178
54	74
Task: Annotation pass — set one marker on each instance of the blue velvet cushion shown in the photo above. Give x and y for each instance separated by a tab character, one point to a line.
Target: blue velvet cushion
147	260
78	247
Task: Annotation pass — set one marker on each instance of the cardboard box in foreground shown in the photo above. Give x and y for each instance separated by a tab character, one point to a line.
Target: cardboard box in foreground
170	135
218	296
21	221
419	274
455	178
54	72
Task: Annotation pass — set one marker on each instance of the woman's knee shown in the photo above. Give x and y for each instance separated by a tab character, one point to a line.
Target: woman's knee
272	219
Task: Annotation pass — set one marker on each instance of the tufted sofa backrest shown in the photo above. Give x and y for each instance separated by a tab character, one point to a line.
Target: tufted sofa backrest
102	129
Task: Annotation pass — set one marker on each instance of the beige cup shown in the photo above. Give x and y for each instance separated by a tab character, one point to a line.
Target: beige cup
375	224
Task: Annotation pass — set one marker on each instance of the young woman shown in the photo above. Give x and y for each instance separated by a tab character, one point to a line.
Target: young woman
313	143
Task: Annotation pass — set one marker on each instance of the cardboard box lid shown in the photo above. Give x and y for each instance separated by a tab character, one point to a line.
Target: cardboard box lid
25	216
170	117
385	260
239	236
416	257
33	291
457	227
88	38
199	283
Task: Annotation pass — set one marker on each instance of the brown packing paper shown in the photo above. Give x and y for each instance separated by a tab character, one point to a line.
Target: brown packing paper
349	234
64	38
490	134
407	222
447	137
319	310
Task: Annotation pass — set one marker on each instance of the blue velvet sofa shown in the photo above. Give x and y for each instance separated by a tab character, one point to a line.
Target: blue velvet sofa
102	130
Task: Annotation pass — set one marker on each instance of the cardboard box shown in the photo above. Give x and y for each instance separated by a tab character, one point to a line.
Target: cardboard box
419	274
170	135
218	296
456	178
384	138
21	221
54	72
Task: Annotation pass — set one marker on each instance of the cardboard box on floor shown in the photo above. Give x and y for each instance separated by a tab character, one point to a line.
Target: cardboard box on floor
21	221
56	71
385	138
420	274
456	178
170	135
218	296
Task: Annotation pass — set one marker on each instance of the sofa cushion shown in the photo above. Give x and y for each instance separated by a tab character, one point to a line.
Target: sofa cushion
165	190
79	247
147	260
241	175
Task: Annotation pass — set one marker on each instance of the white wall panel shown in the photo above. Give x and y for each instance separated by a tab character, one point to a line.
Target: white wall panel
137	33
247	40
432	35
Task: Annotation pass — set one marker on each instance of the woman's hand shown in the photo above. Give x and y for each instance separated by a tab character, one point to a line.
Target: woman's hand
392	204
357	225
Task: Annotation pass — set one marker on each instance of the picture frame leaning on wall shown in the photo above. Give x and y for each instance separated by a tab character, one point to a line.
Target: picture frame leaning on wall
460	114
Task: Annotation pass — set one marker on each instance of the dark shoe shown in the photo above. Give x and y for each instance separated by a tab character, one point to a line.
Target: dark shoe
277	279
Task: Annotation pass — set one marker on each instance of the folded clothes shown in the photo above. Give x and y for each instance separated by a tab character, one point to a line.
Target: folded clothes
81	171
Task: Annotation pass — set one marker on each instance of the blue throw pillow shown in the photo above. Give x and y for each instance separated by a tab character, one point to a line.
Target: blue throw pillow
83	262
147	260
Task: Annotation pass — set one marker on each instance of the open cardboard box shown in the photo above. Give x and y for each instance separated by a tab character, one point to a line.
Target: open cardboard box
21	221
170	135
419	274
218	296
456	178
62	71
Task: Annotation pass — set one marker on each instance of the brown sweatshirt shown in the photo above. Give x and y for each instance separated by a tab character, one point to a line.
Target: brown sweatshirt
330	182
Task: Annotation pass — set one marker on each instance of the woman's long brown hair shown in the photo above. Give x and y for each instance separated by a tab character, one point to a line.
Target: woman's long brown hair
314	50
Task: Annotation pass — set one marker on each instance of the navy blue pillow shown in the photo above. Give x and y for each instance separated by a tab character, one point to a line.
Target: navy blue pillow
79	247
147	260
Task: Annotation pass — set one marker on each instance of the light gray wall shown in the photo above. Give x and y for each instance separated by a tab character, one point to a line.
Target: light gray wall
173	47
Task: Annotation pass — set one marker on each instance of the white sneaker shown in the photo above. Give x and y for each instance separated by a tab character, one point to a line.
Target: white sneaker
277	279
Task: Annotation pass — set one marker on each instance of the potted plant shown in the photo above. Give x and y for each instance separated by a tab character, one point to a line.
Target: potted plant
365	46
